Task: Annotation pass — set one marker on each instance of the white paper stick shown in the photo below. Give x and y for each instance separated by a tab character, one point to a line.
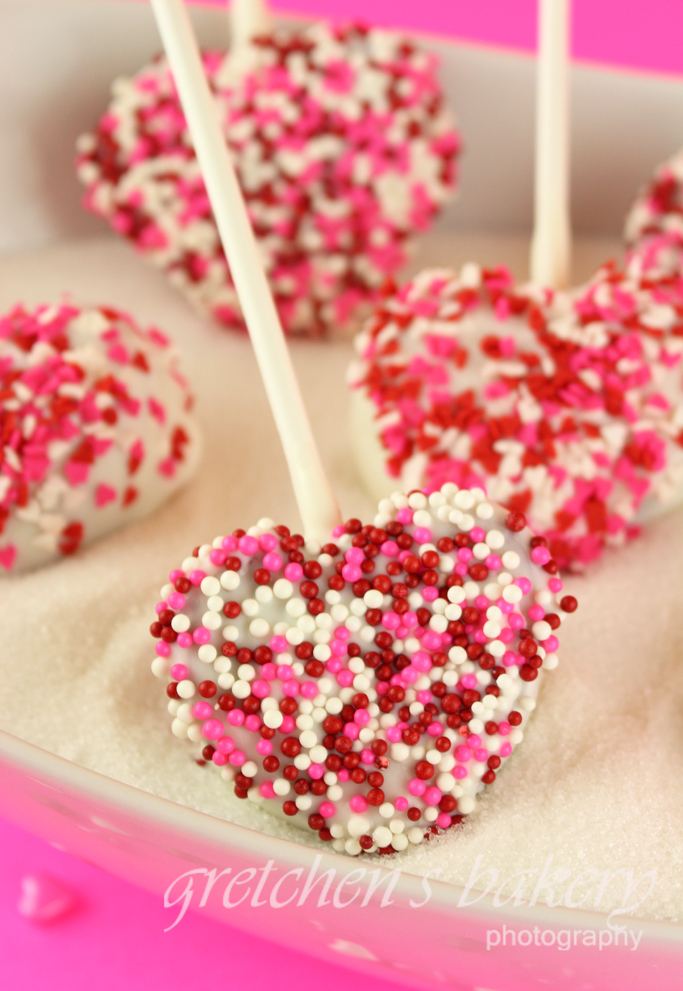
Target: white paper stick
551	244
316	501
248	18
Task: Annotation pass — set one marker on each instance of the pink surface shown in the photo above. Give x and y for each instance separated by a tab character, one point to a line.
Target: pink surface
643	34
115	938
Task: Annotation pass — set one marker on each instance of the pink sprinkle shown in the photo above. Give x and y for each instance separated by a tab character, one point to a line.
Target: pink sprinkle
416	787
260	688
285	672
278	645
391	621
443	820
432	795
226	745
459	772
345	775
179	672
405	516
551	644
421	661
338	648
217	557
237	758
536	612
523	583
393	734
469	681
345	678
366	757
506	749
478	534
555	585
493	562
104	494
316	771
162	648
218	758
401	804
424	697
229	544
252	723
248	545
160	606
351	573
540	555
504	728
201	635
293	572
267	790
354	555
389	548
272	561
265	747
290	688
327	810
509	658
473	741
432	641
184	640
235	717
465	554
361	717
201	710
309	689
463	753
213	729
435	729
268	542
423	535
176	600
197	576
287	724
430	593
269	671
357	803
481	754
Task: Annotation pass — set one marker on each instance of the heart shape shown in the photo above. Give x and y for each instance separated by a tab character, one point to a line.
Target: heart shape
44	898
95	428
372	687
565	406
343	150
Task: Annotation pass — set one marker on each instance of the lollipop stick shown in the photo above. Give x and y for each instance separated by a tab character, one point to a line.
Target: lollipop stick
248	18
551	243
317	505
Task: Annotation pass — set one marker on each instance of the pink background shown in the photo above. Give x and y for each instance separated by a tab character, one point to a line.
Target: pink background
643	34
86	949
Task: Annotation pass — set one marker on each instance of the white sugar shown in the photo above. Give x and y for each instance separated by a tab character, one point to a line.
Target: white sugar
597	783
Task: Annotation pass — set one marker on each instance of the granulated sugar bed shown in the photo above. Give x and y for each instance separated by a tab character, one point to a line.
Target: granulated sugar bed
596	783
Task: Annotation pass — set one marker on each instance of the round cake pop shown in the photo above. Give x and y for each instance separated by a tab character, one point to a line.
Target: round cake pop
95	424
568	408
342	146
371	688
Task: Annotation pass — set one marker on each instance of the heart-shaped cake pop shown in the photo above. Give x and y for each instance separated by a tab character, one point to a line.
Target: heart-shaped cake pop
567	407
95	428
343	149
370	688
